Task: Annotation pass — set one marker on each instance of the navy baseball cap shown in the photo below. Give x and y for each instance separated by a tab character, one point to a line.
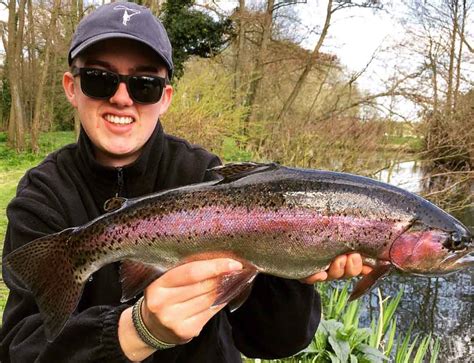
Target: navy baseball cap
122	20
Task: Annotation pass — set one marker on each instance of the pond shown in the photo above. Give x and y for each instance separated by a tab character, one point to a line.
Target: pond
442	306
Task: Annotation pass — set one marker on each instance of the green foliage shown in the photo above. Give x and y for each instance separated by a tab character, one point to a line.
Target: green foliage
203	111
49	142
192	32
340	339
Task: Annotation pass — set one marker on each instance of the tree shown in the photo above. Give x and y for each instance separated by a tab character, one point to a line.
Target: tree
192	32
14	60
39	99
441	41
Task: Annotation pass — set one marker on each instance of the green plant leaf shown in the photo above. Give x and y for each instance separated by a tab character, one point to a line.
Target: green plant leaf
435	348
331	326
422	349
341	348
335	359
391	337
372	354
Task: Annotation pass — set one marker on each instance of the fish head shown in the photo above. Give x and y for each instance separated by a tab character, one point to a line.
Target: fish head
427	249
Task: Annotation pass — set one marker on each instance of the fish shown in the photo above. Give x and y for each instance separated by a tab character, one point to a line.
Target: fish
277	220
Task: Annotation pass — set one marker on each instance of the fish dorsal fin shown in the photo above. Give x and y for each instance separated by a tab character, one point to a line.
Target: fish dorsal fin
234	171
114	203
135	276
368	282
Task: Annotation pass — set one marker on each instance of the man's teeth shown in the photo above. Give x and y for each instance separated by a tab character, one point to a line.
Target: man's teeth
122	120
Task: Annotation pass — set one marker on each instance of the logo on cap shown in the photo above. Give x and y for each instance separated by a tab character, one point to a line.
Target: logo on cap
126	15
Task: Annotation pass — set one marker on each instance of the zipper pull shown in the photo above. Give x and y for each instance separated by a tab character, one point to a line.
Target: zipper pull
120	182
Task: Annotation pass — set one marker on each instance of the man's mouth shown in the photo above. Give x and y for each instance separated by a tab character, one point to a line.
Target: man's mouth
120	120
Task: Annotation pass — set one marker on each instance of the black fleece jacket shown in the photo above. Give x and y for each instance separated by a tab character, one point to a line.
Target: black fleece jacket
68	189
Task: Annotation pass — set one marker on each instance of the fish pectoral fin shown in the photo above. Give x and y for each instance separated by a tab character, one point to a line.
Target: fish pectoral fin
369	281
136	276
234	287
235	171
114	203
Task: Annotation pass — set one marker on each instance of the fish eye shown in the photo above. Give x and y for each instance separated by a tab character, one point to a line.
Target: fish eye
456	242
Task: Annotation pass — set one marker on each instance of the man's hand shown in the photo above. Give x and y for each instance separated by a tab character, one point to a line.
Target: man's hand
179	303
342	266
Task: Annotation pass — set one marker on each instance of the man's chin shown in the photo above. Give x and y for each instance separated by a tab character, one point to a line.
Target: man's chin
117	156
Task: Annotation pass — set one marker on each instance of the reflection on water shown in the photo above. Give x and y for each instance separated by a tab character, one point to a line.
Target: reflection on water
407	175
441	306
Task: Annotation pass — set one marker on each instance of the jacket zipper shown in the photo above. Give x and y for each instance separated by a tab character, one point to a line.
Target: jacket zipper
120	182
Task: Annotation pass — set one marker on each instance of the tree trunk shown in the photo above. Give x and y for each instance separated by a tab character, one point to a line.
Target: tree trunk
434	76
452	57
239	56
257	73
77	11
309	64
39	99
459	57
30	74
16	128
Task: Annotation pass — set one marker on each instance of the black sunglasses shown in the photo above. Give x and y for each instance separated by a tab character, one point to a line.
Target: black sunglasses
102	84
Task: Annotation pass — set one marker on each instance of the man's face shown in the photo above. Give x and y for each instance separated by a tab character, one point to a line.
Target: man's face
118	127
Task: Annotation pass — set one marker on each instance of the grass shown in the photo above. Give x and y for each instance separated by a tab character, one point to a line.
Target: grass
13	166
410	144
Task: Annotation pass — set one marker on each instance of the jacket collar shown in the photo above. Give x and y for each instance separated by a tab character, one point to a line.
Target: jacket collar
138	178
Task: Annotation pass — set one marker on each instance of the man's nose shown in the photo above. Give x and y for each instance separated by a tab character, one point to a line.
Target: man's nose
121	96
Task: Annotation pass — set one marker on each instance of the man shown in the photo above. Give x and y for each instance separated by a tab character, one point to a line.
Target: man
120	60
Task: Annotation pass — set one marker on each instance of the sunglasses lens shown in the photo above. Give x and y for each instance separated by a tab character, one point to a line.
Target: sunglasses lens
97	83
145	89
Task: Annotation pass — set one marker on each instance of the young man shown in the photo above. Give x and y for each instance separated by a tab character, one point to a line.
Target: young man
120	61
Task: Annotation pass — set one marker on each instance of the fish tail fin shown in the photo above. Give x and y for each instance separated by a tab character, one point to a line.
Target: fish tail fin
45	267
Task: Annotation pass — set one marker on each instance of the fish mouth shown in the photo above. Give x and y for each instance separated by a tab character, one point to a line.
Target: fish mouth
459	262
467	260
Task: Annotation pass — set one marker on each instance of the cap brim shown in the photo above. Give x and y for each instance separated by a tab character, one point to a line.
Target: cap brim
86	44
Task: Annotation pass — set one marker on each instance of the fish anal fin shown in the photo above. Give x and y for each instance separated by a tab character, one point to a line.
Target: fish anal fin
235	171
234	287
369	281
114	203
135	277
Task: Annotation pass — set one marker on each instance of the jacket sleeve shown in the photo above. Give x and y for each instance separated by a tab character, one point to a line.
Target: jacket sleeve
89	336
279	318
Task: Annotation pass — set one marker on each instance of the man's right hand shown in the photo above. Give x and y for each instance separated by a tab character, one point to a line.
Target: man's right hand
178	304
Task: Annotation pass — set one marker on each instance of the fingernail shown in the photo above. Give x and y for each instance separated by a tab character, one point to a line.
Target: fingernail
235	265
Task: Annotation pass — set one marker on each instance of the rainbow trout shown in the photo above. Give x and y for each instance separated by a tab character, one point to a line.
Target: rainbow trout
276	220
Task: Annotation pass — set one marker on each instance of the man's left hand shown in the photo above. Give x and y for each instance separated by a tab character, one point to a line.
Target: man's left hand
343	266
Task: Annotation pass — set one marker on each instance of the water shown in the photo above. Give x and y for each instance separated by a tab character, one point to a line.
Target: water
441	306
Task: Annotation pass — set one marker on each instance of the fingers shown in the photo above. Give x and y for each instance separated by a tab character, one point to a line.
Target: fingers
175	295
318	277
197	271
337	268
366	270
343	266
178	304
